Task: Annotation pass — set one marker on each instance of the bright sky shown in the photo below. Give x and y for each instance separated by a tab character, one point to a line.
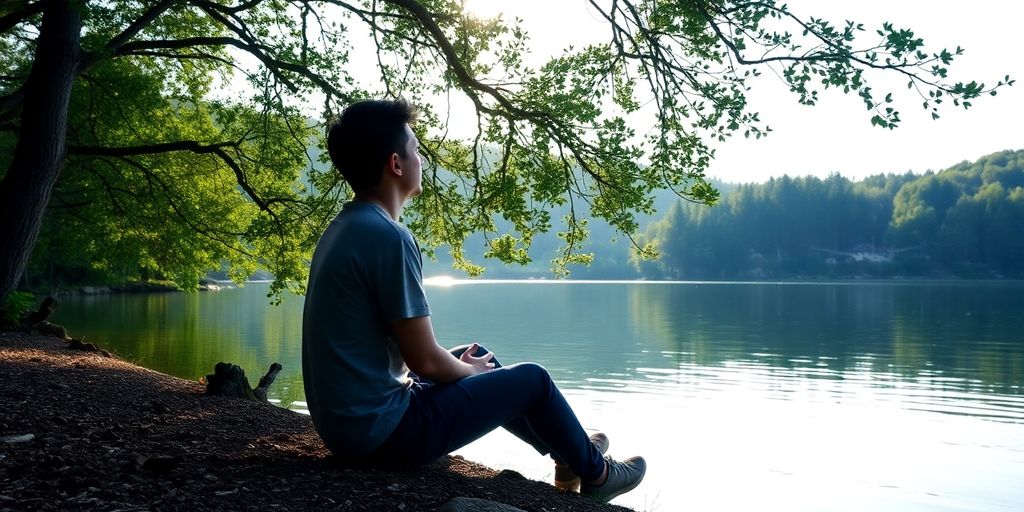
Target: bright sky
836	135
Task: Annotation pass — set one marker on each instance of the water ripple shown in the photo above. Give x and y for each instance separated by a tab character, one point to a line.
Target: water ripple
931	391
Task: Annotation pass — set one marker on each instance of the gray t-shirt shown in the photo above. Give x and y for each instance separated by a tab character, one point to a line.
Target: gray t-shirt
366	272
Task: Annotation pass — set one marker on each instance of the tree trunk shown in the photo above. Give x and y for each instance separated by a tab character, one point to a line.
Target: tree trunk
41	148
229	380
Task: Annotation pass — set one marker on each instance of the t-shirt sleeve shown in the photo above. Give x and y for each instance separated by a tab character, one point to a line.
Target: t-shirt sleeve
400	279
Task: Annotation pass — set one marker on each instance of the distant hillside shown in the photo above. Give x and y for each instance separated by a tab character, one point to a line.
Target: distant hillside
965	221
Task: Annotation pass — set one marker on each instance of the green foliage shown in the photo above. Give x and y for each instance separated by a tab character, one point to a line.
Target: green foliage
14	305
966	221
172	213
189	122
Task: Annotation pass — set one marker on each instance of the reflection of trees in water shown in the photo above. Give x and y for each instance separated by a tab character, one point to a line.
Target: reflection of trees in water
965	331
971	331
723	322
186	334
670	319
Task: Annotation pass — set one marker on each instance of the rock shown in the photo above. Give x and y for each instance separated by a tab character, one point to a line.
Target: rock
50	329
157	463
23	438
393	487
462	504
108	435
76	344
508	474
69	483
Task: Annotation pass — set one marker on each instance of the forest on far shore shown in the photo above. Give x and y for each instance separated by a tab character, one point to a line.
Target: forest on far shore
966	221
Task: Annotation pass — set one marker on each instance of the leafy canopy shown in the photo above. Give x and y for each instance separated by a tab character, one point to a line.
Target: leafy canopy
190	132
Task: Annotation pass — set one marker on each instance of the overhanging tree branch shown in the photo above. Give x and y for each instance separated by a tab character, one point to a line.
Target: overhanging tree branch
17	16
185	145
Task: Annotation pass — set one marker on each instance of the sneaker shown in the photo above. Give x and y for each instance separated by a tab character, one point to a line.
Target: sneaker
565	478
622	477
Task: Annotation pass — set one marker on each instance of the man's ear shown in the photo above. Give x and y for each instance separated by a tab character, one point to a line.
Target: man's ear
394	165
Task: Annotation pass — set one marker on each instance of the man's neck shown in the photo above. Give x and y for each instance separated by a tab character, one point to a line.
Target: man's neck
391	203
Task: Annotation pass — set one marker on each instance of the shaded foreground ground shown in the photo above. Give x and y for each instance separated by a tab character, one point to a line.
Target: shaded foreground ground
110	435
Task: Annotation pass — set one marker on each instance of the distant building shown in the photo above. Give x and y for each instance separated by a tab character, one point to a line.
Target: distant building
864	252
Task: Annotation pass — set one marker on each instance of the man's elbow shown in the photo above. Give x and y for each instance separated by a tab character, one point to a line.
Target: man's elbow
424	367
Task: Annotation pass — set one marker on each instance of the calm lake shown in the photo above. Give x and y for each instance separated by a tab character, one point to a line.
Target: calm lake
856	396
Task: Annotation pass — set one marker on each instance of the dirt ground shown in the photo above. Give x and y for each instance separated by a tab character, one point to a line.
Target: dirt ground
86	432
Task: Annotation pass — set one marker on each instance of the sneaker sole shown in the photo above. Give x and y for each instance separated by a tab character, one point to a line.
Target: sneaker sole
624	490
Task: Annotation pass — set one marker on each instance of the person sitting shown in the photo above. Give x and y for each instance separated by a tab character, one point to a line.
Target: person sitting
380	389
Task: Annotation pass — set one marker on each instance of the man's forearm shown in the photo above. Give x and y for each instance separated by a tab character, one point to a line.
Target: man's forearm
443	367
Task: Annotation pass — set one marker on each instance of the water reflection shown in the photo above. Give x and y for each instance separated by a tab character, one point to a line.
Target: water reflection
845	396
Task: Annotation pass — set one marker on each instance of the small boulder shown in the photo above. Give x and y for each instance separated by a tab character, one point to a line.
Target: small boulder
157	463
508	474
50	329
23	438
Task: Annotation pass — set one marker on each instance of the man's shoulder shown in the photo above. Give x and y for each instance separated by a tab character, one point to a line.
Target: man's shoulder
371	225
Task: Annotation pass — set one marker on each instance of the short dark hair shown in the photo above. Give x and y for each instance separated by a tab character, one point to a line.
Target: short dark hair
365	135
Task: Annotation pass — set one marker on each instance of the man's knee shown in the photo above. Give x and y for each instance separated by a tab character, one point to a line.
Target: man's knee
532	372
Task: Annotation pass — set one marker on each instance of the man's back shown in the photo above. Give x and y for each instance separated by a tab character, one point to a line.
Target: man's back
365	273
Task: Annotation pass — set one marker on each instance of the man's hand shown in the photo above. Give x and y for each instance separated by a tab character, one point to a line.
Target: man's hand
422	354
482	363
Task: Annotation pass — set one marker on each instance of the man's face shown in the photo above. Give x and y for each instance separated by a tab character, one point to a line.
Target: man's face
412	165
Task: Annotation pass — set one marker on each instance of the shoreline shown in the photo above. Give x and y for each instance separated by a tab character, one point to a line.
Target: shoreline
139	287
447	280
81	431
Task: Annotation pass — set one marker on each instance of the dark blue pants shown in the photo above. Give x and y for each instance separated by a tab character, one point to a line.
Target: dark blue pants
522	398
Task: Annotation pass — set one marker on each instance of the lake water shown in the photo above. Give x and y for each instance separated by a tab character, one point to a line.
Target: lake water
896	396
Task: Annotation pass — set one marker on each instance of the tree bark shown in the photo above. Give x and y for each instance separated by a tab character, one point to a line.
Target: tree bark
33	318
229	380
261	389
39	154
